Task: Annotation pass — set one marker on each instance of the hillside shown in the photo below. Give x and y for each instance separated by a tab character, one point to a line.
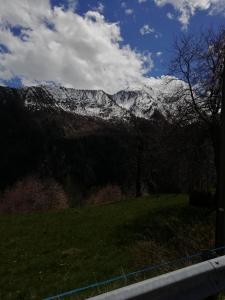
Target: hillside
87	140
42	254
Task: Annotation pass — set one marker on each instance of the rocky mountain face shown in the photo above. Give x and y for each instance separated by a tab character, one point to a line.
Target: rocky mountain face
90	103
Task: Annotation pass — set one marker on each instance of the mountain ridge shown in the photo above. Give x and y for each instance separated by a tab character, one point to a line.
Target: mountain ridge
93	103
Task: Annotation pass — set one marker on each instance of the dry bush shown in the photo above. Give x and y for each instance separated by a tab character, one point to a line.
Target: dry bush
106	194
33	194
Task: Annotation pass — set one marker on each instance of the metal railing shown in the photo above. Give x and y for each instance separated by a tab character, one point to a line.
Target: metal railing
191	283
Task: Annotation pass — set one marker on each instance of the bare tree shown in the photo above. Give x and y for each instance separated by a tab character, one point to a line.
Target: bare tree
200	63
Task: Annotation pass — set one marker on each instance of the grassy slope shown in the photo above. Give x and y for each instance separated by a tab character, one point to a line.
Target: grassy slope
46	253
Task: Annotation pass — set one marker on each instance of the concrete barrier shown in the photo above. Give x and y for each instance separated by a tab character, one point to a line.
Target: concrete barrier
191	283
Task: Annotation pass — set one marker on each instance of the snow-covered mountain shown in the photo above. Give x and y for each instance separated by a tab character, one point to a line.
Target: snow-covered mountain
96	103
82	102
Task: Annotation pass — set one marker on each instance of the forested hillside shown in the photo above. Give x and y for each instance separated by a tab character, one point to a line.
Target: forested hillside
86	154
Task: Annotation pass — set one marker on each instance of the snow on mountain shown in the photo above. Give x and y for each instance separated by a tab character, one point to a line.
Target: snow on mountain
82	102
96	103
93	103
139	103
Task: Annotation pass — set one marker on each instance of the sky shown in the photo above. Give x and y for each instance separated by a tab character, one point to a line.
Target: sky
97	44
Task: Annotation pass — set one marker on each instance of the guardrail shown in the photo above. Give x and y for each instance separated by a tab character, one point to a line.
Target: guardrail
191	283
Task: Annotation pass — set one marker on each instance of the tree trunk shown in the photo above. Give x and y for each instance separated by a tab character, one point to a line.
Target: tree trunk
215	136
139	168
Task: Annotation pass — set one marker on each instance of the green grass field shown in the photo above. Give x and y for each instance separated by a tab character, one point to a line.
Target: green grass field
43	254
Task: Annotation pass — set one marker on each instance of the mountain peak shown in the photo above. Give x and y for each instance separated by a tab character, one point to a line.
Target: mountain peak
94	103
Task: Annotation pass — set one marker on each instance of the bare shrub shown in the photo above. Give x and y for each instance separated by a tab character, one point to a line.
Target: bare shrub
106	194
33	194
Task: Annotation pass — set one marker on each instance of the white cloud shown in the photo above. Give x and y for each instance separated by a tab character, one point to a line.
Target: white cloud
72	4
141	1
55	44
24	12
170	16
129	11
146	29
217	7
159	53
188	8
100	8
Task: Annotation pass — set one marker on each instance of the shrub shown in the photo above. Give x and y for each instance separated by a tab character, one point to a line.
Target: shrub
33	194
106	194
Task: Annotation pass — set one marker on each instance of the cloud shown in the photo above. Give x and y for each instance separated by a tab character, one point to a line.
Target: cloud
44	44
146	29
129	11
170	16
72	4
158	35
141	1
159	53
100	8
188	8
24	12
